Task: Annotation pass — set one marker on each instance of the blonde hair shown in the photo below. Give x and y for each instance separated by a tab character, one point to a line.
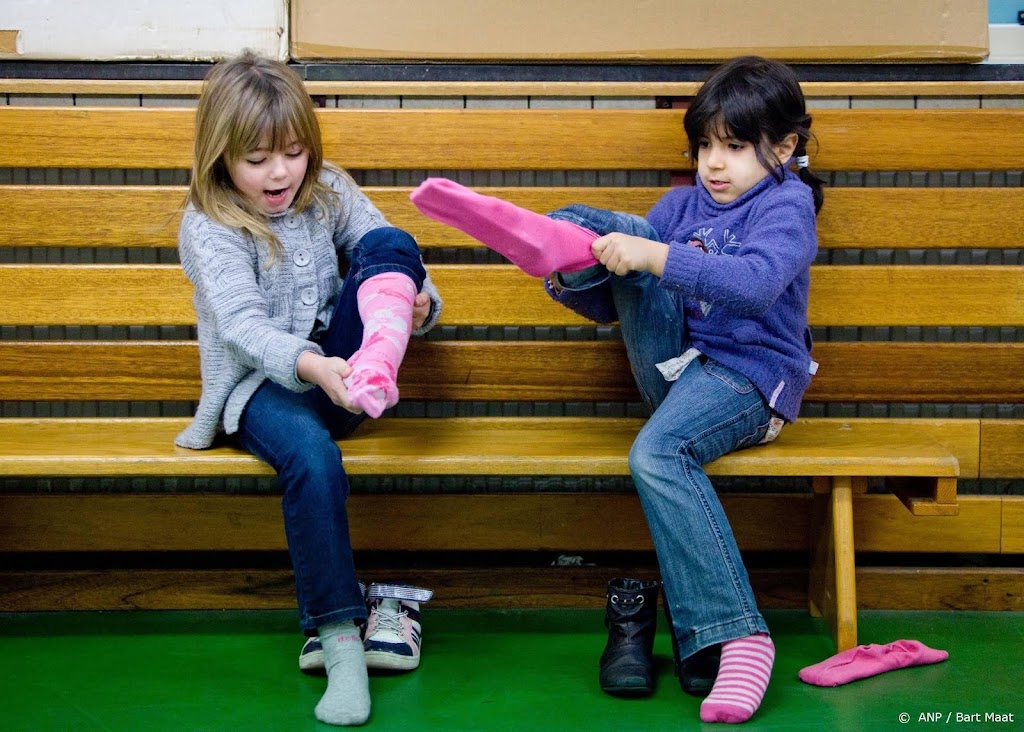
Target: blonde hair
247	101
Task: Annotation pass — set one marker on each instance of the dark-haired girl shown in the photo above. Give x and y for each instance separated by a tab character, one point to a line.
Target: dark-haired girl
710	290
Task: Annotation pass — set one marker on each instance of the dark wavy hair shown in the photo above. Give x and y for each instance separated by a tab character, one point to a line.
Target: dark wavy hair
759	101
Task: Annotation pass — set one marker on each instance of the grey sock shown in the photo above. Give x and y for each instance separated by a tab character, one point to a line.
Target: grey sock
347	699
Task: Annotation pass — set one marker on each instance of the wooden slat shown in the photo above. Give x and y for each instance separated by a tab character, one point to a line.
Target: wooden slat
917	295
515	522
148	216
852	446
1013	525
143	137
92	216
493	139
183	87
432	370
1002	447
921	218
930	372
95	295
99	370
150	137
861	139
499	586
161	295
840	295
492	446
883	524
940	588
520	370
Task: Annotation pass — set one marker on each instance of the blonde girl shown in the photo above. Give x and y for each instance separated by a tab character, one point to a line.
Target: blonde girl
293	355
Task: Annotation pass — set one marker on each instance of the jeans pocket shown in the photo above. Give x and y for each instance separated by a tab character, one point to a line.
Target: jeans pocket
737	381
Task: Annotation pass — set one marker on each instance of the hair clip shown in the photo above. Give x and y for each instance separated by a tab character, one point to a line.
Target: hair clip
803	161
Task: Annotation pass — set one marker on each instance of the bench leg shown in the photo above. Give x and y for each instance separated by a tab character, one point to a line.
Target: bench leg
832	592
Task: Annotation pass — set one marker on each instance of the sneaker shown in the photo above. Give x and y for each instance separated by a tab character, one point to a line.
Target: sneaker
311	657
393	634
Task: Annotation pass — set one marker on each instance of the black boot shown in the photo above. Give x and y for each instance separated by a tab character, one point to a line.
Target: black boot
627	664
697	673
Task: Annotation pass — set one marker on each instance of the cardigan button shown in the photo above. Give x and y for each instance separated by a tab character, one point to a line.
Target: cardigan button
292	222
301	257
308	296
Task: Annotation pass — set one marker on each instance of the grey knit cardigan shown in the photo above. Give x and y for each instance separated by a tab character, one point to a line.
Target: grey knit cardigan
257	314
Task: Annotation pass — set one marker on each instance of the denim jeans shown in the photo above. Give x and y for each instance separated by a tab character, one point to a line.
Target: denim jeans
295	434
710	410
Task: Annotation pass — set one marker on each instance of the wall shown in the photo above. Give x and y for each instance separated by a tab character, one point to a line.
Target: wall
185	30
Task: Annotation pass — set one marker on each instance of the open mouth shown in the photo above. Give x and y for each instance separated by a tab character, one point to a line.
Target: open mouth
276	196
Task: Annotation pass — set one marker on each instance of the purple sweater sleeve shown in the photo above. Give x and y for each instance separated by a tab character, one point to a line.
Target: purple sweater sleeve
779	245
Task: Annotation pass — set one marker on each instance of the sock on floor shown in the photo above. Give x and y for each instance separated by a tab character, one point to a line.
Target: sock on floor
533	242
742	679
347	699
385	305
870	660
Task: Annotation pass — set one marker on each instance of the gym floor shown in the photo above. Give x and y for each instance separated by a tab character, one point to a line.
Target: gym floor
481	670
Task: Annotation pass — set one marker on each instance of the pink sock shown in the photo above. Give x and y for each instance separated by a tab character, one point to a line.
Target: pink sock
870	660
742	679
385	306
534	243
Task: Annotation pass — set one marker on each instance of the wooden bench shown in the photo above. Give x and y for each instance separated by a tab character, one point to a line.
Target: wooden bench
553	358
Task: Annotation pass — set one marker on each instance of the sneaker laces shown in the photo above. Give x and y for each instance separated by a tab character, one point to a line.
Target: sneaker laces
390	619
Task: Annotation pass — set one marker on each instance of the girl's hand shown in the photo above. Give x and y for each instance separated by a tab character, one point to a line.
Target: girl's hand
327	372
622	254
420	310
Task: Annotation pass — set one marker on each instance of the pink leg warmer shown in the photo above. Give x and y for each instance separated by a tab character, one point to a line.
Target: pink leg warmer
533	242
385	306
870	660
742	680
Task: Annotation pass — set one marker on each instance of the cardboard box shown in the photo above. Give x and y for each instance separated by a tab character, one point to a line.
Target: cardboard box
112	30
642	30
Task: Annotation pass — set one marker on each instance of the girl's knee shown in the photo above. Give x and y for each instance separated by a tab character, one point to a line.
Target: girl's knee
577	213
317	462
656	452
639	461
649	454
389	245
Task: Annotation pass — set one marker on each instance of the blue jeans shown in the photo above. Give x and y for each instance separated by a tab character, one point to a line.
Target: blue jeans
710	410
296	433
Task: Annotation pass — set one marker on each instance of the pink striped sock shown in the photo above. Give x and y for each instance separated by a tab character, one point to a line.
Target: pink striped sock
742	679
533	242
385	306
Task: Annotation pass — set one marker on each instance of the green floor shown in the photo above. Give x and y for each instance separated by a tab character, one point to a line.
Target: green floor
481	670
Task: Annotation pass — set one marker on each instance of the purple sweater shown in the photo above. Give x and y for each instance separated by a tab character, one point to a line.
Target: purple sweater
747	309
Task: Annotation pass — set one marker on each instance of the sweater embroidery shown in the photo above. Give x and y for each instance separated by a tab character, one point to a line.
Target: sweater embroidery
704	239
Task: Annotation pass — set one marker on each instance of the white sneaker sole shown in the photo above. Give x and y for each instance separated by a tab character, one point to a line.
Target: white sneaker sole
312	663
391	661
